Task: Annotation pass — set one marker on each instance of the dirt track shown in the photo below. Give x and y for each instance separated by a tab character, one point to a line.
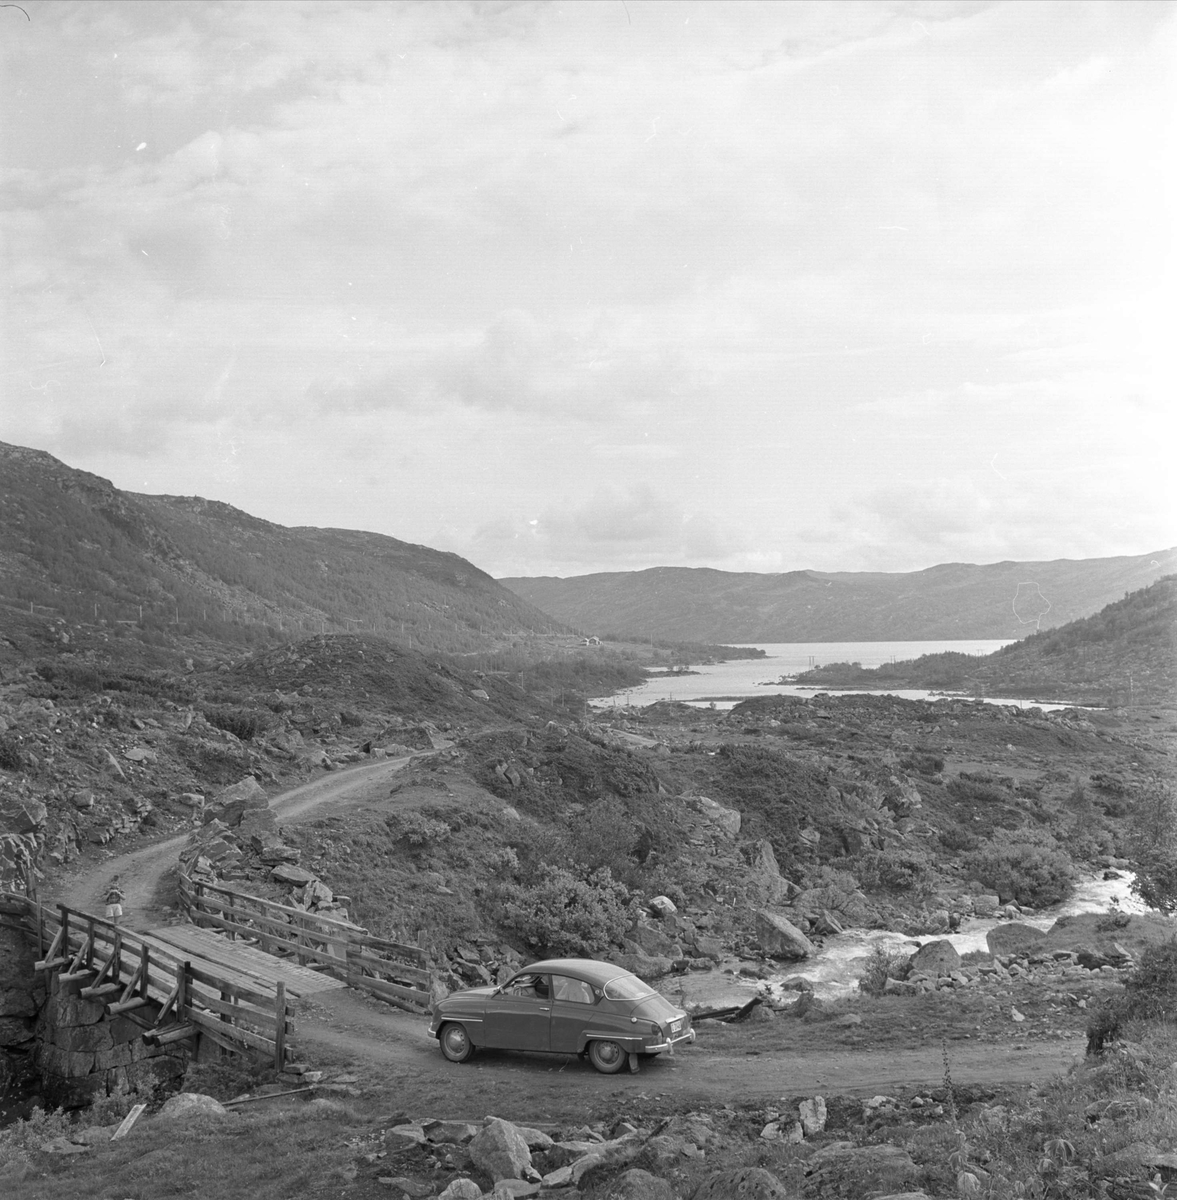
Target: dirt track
383	1044
144	874
354	1033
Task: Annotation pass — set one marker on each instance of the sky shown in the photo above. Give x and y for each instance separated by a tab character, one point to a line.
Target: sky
578	287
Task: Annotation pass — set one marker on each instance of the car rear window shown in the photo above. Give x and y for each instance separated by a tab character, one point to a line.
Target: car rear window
627	987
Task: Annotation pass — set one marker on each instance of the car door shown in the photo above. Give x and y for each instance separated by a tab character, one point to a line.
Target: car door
520	1016
573	1003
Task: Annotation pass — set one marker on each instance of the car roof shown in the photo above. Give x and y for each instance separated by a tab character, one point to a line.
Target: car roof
590	969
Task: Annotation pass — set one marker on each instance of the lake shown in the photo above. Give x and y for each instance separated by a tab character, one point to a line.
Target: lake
725	684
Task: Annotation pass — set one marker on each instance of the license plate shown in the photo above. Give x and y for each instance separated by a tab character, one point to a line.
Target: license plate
675	1026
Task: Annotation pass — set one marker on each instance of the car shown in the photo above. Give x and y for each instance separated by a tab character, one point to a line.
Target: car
564	1006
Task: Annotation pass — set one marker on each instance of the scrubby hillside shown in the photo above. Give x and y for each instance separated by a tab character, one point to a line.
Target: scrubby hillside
953	600
1126	653
75	547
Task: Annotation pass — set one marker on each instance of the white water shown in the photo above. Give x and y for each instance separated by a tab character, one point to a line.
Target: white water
722	685
834	971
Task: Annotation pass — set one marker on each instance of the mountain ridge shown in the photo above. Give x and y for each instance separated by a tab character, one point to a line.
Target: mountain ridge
1008	599
74	546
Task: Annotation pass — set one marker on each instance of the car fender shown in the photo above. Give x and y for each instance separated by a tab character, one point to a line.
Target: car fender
472	1022
627	1041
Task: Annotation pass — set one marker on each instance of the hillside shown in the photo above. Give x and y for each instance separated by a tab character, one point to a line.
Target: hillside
1126	653
953	600
73	546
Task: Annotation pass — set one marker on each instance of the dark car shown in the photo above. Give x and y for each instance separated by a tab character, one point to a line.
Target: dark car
564	1006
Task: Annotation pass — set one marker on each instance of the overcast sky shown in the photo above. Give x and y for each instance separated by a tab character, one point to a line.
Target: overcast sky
569	287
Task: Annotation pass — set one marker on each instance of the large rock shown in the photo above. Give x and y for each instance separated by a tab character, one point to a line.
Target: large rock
232	802
192	1104
748	1183
652	941
726	819
636	1184
935	958
22	814
764	874
288	873
843	1169
500	1150
779	938
1014	938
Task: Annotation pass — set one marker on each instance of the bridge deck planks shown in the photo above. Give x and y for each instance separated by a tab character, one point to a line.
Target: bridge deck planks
248	961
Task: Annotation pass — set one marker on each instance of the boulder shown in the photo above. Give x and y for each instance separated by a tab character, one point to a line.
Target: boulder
765	877
663	906
296	876
935	958
22	814
500	1150
748	1183
232	802
779	938
726	819
191	1104
461	1189
813	1116
1014	938
986	904
651	940
636	1184
843	1169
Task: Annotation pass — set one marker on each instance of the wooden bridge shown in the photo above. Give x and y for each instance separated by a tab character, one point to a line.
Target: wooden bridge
230	976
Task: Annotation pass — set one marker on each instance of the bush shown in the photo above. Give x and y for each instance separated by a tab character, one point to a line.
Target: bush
11	758
1153	849
1150	994
242	723
882	964
563	915
1023	867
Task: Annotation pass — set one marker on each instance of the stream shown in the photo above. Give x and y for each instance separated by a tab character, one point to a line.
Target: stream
835	969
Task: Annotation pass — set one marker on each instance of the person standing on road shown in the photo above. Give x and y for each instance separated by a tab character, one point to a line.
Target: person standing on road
114	901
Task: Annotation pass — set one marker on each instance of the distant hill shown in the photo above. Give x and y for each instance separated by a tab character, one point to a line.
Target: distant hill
954	600
1126	653
74	547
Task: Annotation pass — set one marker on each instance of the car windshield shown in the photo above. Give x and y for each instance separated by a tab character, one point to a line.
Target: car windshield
627	987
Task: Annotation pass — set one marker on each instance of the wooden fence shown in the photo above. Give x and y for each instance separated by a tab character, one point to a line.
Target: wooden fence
136	976
393	971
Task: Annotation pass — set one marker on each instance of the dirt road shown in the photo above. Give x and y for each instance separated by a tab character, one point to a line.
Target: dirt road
382	1044
357	1034
145	875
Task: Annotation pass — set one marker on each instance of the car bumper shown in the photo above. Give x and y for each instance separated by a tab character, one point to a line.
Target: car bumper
671	1043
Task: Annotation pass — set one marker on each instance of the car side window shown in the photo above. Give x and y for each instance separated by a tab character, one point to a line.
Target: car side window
576	990
534	987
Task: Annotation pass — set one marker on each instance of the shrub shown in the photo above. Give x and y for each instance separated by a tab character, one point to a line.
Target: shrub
1029	869
242	723
1150	994
11	758
564	915
1153	848
881	964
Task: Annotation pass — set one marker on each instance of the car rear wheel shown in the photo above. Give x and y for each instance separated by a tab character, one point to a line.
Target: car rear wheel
455	1042
608	1057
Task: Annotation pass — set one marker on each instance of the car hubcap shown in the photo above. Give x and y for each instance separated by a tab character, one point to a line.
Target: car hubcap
455	1041
608	1053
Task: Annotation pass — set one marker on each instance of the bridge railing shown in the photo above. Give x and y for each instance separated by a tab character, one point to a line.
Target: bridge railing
135	976
394	971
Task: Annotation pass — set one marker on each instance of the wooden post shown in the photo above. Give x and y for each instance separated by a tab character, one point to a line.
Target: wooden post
144	966
90	946
64	929
40	934
280	1031
198	902
232	918
182	992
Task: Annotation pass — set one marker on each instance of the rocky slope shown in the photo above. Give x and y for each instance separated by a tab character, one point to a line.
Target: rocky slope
953	600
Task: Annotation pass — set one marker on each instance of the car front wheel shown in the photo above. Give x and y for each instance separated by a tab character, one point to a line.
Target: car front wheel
455	1042
607	1057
